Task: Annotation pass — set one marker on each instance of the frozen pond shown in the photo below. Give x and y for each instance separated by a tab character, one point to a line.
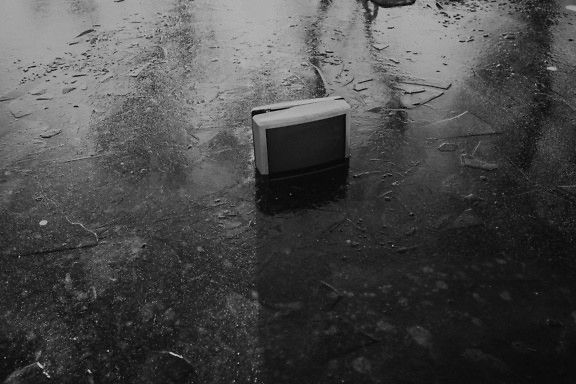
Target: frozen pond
36	31
138	246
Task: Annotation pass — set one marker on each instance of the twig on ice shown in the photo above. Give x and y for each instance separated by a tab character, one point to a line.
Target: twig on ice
83	227
449	119
349	81
321	77
82	158
332	288
475	149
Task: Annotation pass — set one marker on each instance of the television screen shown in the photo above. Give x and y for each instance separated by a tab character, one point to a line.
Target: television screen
301	137
307	145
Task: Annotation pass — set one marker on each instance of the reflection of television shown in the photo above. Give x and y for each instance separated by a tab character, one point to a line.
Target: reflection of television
301	137
276	195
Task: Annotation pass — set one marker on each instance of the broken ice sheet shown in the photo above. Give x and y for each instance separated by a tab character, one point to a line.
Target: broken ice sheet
166	367
505	295
411	89
136	72
448	147
13	94
19	108
380	47
478	356
385	325
466	219
33	373
37	125
48	235
462	125
474	162
429	82
362	365
421	336
39	90
85	33
415	100
106	77
50	133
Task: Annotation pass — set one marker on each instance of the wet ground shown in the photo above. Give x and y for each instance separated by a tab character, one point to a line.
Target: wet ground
138	245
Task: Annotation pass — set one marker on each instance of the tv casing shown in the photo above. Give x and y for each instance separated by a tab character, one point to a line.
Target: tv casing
301	137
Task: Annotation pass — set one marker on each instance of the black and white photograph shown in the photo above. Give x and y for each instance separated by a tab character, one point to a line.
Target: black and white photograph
287	191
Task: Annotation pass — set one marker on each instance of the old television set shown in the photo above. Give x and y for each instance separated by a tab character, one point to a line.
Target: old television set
301	137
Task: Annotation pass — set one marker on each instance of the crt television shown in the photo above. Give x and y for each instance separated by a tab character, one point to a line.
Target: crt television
301	137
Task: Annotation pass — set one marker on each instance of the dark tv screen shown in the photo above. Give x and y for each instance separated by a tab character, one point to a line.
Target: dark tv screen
306	146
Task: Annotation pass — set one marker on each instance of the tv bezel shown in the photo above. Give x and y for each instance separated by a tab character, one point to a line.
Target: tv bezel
260	140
